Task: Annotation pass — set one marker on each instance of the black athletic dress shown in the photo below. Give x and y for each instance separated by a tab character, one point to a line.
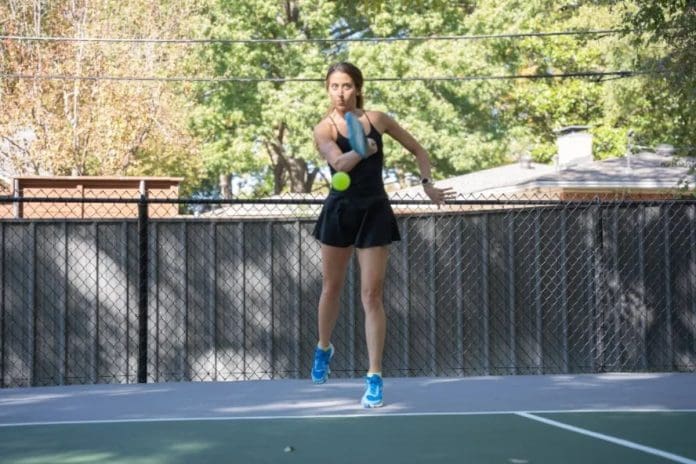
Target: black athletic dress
361	215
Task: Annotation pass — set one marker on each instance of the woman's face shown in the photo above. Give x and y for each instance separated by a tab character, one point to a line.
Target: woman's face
342	91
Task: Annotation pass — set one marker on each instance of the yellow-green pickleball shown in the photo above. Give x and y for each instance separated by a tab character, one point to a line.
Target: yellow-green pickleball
340	181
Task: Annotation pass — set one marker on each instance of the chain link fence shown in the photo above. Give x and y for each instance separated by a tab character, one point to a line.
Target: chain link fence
121	290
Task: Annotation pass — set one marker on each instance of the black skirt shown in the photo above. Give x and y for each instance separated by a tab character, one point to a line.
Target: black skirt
362	222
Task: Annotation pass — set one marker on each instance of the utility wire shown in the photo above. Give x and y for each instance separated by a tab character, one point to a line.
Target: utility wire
21	38
588	74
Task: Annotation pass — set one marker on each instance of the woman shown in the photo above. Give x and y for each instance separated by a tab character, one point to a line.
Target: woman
358	218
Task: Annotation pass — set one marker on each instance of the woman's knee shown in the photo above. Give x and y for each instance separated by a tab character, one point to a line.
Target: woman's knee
331	289
371	297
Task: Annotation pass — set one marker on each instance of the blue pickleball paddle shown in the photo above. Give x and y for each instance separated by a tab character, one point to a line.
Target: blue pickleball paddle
356	134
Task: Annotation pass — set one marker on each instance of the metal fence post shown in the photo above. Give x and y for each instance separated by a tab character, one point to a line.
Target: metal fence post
142	283
17	205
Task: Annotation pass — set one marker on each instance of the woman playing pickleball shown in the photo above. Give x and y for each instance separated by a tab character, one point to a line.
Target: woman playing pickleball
359	218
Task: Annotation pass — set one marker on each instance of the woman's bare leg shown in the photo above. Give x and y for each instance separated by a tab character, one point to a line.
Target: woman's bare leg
334	263
373	267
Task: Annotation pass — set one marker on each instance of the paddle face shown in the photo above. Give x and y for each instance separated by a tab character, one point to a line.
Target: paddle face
356	135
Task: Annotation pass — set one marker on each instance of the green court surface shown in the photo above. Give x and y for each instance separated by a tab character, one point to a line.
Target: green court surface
535	419
420	438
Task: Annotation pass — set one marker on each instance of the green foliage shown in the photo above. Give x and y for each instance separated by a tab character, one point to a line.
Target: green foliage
668	47
609	142
96	126
466	125
262	131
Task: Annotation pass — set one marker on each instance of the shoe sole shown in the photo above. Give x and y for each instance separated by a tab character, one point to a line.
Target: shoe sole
372	405
322	380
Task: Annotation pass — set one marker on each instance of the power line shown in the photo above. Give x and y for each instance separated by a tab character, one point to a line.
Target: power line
586	74
308	40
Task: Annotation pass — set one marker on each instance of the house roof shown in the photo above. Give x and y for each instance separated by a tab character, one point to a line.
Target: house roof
97	179
506	176
284	207
645	170
91	184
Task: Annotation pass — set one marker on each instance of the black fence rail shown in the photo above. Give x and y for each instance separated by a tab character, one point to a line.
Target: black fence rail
228	290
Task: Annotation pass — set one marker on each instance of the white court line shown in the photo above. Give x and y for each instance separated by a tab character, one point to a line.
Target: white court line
367	413
610	439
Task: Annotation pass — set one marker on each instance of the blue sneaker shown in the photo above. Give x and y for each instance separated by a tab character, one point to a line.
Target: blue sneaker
320	369
373	394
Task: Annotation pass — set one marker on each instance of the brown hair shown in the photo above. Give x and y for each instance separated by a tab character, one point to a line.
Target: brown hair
354	73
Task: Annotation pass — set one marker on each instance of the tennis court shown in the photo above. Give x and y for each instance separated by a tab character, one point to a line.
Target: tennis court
560	332
637	418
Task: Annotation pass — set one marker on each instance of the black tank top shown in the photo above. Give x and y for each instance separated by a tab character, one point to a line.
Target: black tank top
366	176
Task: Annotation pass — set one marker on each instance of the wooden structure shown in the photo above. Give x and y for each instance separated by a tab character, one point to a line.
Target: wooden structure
53	188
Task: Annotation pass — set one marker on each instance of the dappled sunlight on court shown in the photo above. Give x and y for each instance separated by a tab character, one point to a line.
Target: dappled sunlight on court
74	457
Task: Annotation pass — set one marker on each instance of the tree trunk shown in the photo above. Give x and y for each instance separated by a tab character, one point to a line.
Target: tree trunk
298	175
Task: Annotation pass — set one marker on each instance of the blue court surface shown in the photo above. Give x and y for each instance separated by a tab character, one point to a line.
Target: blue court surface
606	418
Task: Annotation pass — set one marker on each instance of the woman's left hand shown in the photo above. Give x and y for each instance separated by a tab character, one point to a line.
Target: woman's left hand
438	195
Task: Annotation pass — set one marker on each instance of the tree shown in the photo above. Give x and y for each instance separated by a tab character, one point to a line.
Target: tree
666	31
466	124
94	126
260	129
252	124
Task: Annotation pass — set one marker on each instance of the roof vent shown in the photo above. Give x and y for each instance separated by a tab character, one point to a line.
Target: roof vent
525	161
